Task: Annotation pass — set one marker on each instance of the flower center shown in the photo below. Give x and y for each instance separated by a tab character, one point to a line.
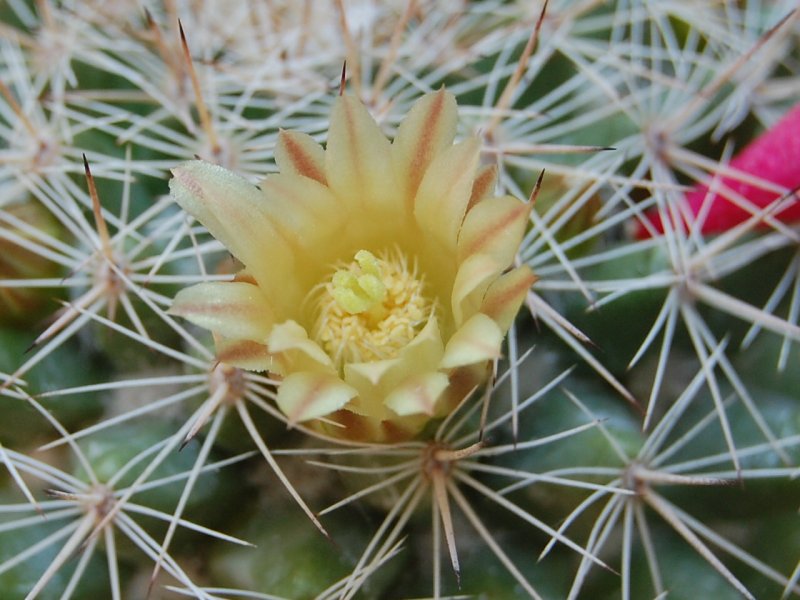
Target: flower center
359	289
370	309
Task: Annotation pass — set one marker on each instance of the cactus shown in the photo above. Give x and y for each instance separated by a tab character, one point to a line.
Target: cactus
623	171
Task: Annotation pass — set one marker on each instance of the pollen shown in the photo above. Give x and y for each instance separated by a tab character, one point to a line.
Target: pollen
359	288
371	308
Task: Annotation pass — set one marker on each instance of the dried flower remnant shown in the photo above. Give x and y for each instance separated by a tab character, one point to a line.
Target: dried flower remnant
19	221
376	281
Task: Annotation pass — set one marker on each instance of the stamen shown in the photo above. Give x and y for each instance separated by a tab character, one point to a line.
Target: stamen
370	309
359	289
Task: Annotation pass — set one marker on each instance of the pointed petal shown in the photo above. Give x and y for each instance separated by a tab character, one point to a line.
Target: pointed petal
424	350
369	379
427	130
506	294
365	374
418	394
358	160
484	184
478	340
494	227
234	309
308	395
298	154
472	280
230	208
375	380
294	351
244	354
445	190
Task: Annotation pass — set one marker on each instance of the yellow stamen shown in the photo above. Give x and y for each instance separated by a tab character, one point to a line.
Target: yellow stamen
359	289
370	309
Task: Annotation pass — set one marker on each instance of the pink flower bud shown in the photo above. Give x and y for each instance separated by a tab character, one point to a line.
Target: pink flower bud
774	156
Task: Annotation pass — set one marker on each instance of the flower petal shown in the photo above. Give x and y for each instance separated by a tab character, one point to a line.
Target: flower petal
357	159
494	227
472	280
293	350
418	394
444	193
235	309
370	378
376	379
308	395
298	154
231	209
244	354
427	130
478	340
506	294
427	345
307	216
363	374
484	184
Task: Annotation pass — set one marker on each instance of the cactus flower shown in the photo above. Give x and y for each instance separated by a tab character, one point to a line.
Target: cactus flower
377	284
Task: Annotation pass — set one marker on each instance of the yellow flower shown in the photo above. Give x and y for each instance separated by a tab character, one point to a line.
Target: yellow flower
376	284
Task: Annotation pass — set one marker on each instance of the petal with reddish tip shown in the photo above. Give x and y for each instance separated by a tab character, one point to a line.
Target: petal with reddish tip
494	227
484	184
506	294
234	309
427	130
309	395
231	209
444	193
298	154
478	340
358	163
244	354
418	394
